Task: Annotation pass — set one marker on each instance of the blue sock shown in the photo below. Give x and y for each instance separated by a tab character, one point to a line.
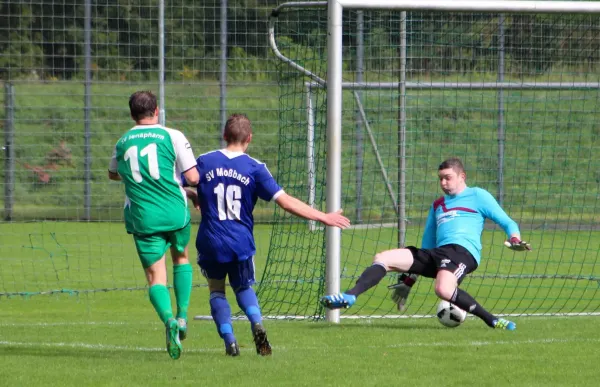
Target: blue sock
221	313
248	302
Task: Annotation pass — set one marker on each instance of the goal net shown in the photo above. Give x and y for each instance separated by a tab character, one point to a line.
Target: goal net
514	95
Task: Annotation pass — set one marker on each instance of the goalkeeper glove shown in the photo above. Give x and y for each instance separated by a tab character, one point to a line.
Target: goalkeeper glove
402	289
516	244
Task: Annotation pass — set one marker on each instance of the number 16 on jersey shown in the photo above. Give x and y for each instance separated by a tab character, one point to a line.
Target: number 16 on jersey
228	201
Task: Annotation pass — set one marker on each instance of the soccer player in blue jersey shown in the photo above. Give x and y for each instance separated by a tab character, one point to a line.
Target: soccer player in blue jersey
451	246
230	184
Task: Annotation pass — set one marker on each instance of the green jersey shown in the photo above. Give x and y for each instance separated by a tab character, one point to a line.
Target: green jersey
150	160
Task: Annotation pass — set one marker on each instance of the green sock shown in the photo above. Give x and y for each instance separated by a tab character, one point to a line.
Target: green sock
182	282
161	300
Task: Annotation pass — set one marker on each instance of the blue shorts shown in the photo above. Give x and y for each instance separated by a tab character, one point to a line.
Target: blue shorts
240	273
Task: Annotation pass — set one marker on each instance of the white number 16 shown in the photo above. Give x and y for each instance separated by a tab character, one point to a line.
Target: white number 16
228	201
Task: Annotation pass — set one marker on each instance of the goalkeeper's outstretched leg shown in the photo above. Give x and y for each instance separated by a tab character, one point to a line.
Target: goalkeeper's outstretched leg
399	260
448	265
338	301
446	288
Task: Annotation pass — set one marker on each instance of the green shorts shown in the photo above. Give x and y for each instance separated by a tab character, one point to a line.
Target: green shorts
152	247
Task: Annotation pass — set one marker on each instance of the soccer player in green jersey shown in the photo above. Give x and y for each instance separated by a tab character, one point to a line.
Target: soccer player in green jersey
149	159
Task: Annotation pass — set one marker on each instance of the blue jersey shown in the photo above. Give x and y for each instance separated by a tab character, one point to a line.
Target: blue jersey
230	184
459	219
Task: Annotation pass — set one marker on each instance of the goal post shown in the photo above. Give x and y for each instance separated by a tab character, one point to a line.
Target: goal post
570	82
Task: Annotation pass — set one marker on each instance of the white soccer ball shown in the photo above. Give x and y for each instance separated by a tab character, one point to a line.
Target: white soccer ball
450	315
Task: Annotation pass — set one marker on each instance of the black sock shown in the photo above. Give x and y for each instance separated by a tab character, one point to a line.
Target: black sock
369	278
467	303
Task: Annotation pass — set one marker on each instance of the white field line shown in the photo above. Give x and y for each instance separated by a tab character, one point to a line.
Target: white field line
114	348
277	317
401	316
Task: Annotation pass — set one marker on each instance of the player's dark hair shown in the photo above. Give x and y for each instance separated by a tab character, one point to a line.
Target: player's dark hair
237	129
454	163
142	104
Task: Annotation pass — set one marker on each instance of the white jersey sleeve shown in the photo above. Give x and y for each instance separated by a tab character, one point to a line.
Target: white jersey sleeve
113	166
183	150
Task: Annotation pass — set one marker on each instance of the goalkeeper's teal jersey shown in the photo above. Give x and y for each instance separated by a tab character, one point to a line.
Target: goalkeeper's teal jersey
458	219
150	159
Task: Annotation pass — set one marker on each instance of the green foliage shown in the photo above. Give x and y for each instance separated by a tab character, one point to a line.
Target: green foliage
125	40
21	54
379	50
310	57
241	66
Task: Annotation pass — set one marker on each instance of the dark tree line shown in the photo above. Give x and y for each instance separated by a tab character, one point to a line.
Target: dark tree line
45	39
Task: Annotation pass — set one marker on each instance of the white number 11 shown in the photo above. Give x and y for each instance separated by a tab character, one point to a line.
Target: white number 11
131	154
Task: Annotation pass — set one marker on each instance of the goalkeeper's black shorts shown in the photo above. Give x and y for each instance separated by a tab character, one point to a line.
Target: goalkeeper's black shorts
453	258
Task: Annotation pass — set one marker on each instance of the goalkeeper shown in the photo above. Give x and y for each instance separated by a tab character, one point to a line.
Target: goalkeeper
451	247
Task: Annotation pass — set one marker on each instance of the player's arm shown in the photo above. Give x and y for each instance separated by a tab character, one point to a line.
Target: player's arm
113	166
192	177
268	189
186	161
114	176
490	208
299	208
183	178
192	194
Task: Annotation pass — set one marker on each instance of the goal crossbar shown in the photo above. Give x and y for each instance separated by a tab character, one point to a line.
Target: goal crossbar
475	6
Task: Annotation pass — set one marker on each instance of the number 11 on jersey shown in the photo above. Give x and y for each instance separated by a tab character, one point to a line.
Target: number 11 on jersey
131	154
228	201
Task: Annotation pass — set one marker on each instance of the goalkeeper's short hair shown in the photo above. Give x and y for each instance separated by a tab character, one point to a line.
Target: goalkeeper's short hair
454	162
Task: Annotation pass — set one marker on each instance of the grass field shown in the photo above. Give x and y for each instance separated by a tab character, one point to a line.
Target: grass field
89	333
560	275
113	338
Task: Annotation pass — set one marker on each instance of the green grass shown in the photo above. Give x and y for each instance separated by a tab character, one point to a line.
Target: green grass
560	275
46	256
115	339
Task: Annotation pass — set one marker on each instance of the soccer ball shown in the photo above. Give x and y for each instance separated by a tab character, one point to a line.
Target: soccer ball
450	315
